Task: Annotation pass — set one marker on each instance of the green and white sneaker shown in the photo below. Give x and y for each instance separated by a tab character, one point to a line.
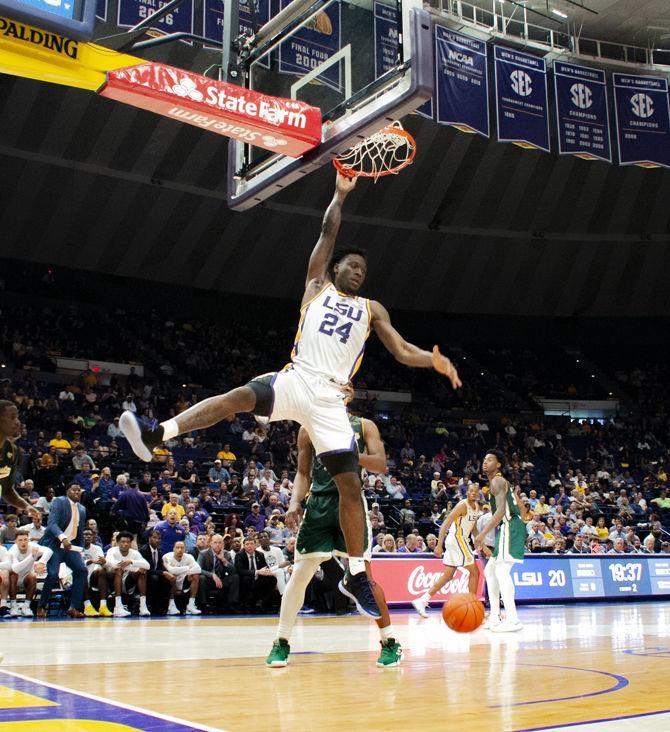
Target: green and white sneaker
279	654
391	654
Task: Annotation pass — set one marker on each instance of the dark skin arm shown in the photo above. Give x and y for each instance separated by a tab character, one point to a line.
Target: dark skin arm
407	353
317	269
498	489
374	457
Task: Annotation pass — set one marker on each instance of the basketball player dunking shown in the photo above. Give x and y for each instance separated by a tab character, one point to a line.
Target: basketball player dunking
334	325
454	536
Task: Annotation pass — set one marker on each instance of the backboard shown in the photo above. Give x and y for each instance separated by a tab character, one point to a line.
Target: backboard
363	63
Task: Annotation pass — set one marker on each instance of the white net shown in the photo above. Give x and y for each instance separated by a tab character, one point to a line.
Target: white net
385	153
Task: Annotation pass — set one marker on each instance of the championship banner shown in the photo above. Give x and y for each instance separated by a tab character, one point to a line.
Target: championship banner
212	18
180	20
386	47
280	125
643	120
101	10
312	45
34	53
461	81
405	577
582	112
521	98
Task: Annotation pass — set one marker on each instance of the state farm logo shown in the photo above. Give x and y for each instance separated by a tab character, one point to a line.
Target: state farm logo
187	88
419	581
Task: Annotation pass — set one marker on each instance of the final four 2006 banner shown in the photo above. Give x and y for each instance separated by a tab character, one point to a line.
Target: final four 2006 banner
521	97
180	20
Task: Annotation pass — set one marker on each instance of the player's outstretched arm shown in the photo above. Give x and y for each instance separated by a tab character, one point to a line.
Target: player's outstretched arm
323	251
374	457
407	353
499	489
301	481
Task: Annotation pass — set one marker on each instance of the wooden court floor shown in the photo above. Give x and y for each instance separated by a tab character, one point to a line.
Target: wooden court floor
596	666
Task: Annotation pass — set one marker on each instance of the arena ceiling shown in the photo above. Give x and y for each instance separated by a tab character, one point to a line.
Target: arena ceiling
471	227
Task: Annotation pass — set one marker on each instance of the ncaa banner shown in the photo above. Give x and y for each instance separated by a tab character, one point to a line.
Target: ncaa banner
212	19
461	81
180	20
521	99
313	45
581	112
643	120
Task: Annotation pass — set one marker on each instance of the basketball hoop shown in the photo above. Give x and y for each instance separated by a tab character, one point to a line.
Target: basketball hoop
386	152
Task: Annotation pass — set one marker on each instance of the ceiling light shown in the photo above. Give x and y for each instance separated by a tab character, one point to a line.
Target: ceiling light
560	13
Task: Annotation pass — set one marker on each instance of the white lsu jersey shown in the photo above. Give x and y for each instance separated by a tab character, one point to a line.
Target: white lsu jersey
331	334
462	527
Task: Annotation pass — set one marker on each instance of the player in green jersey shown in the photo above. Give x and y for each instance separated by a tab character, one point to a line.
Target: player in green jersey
508	512
320	537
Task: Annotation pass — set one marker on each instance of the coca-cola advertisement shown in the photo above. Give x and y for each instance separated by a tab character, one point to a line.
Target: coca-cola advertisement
404	578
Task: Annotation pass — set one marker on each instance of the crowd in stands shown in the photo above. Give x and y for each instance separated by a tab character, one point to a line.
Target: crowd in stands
202	528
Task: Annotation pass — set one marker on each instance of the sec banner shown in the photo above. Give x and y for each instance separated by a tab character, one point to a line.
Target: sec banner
461	81
212	17
582	112
521	99
643	120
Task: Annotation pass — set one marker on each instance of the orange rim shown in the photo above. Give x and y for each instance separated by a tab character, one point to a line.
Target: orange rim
350	172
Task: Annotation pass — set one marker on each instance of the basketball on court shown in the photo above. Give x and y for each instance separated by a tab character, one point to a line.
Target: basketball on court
463	613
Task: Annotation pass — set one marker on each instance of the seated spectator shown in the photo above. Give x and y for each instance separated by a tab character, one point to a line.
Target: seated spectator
376	518
35	529
648	546
103	487
188	475
431	542
202	542
127	569
170	531
396	491
407	516
255	520
94	559
173	504
81	458
438	492
225	455
580	545
8	531
218	474
84	478
218	575
387	545
62	445
409	545
157	584
132	511
189	535
618	546
274	559
181	569
278	533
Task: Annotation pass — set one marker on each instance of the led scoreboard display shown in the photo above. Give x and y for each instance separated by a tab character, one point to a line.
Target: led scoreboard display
585	576
68	18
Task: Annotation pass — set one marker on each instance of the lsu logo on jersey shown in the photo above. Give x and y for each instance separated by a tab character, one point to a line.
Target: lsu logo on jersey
344	309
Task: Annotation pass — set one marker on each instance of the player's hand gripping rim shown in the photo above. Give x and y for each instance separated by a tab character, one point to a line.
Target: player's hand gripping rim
443	366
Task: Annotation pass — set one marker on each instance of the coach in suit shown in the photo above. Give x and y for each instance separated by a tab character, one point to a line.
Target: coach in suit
218	574
67	519
257	583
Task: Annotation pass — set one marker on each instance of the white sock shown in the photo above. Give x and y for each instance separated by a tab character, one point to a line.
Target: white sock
191	602
103	603
172	603
425	597
356	565
143	601
3	603
493	590
87	603
503	574
294	595
386	633
170	429
118	602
